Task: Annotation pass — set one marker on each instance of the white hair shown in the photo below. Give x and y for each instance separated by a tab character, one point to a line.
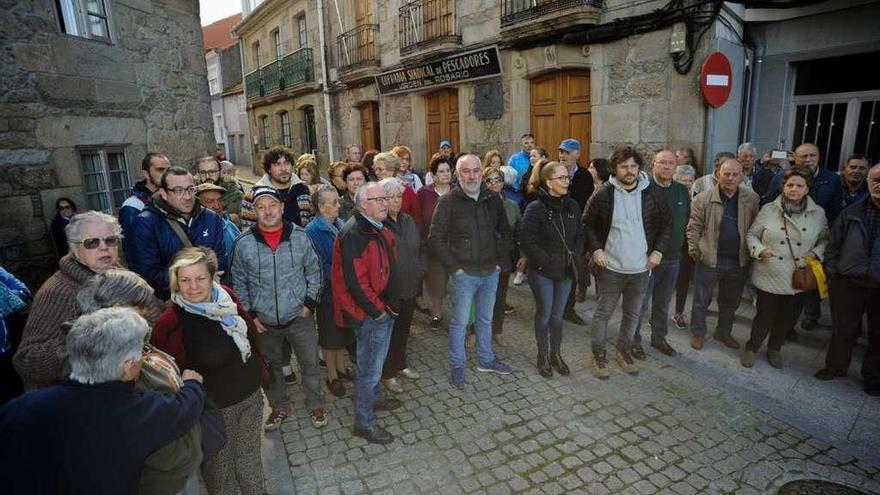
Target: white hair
462	158
101	342
746	147
361	194
392	184
684	171
509	174
73	230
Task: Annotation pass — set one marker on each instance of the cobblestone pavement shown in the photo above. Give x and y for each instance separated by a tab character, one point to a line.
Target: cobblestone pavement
664	431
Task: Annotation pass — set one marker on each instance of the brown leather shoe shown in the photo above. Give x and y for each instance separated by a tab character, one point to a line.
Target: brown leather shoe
727	340
697	341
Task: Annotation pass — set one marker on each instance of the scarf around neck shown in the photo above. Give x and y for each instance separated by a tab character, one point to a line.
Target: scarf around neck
220	308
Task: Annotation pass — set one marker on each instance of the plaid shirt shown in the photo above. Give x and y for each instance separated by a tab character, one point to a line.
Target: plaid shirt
871	219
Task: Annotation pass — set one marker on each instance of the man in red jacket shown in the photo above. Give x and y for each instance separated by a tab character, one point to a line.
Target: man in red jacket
366	299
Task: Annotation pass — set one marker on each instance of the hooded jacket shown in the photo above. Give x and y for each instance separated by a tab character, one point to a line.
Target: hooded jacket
551	236
296	198
655	213
468	234
130	209
364	272
156	243
274	286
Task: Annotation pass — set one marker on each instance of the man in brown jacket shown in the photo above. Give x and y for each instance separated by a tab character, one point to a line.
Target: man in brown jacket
716	237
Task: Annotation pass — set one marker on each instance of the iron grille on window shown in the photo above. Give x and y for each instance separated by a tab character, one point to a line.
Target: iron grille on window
514	11
423	21
358	46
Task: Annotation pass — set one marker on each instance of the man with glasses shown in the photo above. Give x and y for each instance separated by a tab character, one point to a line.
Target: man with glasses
172	221
470	236
627	235
661	281
153	166
366	298
209	170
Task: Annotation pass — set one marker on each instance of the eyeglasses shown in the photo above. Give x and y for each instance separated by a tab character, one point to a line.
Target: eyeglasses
209	172
664	162
494	180
379	199
563	178
94	242
181	191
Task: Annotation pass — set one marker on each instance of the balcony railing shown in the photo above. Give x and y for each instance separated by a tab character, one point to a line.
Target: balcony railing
424	22
514	11
295	68
357	47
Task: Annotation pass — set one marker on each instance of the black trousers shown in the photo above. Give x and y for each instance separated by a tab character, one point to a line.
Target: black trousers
500	303
849	302
776	313
685	275
395	361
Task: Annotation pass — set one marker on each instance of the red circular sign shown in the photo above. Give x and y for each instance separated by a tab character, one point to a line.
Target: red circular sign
716	79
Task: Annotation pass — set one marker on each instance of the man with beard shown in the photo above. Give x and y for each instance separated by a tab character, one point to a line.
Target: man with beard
470	236
152	167
209	170
294	193
173	220
628	225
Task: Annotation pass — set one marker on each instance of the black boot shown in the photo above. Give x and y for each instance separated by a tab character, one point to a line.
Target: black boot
558	364
544	368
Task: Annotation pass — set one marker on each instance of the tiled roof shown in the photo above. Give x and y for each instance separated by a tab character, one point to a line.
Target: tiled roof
218	35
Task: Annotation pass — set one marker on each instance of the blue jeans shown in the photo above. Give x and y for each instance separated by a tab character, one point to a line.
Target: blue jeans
661	287
373	339
479	291
731	279
550	301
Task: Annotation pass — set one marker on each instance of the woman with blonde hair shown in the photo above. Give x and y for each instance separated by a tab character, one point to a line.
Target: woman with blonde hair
405	171
492	159
385	166
207	330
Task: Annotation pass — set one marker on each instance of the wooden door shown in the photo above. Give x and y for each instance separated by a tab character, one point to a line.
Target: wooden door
560	109
370	139
441	109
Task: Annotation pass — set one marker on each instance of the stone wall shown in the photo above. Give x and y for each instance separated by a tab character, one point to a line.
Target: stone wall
146	90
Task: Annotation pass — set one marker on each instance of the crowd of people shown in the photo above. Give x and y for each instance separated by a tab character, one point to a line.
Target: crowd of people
223	286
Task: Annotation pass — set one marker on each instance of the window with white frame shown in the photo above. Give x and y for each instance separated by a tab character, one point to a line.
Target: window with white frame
213	86
219	131
265	137
84	18
105	177
302	32
276	40
242	103
285	129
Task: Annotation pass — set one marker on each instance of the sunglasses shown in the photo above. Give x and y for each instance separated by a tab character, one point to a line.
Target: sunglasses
94	242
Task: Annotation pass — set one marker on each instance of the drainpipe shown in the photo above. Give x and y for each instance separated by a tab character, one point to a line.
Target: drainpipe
757	39
326	86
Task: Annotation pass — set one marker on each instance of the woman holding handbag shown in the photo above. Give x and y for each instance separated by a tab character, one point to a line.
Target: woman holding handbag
207	330
551	235
787	233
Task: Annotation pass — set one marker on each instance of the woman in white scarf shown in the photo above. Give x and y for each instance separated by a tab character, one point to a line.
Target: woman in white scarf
208	331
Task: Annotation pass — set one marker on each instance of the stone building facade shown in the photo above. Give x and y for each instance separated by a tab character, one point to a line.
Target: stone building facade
281	57
85	94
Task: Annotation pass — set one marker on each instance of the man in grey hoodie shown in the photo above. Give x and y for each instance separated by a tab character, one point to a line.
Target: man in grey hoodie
628	225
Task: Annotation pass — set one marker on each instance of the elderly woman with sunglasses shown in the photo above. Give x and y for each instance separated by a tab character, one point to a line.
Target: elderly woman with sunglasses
93	238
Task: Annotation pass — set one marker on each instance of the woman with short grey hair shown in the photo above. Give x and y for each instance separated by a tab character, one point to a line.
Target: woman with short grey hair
94	239
120	288
322	231
685	175
409	263
93	432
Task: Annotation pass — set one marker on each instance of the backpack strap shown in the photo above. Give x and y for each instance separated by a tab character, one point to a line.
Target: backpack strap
179	231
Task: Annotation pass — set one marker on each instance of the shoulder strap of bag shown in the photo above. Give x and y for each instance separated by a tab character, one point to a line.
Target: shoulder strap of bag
179	231
788	241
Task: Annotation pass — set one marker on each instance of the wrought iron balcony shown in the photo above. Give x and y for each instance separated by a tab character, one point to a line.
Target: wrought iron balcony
425	23
357	48
294	69
515	11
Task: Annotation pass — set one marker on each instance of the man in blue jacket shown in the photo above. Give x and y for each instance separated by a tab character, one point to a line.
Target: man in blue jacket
152	167
92	433
173	220
827	192
520	162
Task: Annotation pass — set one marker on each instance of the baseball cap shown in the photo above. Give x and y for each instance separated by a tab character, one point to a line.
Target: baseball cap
207	186
445	143
261	191
570	145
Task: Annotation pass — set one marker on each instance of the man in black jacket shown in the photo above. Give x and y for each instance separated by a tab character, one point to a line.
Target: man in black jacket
851	261
580	189
628	224
471	238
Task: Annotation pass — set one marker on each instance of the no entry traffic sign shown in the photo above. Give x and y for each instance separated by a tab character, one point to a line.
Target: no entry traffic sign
716	79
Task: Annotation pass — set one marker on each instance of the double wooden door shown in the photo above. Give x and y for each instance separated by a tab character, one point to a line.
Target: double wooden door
560	109
441	112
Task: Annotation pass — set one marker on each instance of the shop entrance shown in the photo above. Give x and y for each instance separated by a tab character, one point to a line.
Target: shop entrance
441	115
